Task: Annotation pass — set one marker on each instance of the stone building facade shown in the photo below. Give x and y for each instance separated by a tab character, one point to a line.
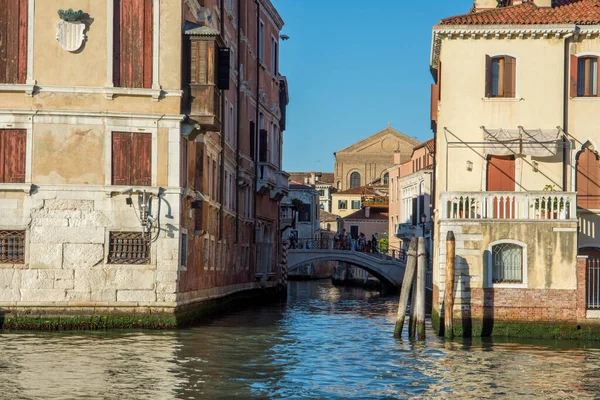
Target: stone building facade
366	162
138	176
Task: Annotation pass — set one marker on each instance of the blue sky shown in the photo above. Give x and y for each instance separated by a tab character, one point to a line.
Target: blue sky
352	67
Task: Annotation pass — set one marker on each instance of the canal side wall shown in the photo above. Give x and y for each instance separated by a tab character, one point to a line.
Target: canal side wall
549	303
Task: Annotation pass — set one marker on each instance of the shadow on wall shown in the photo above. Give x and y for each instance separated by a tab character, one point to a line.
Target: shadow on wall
488	297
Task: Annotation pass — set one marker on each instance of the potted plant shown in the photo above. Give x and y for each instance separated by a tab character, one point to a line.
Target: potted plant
464	208
549	206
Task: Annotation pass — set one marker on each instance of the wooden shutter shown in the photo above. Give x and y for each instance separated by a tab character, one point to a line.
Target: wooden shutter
199	178
435	93
142	159
488	76
252	140
13	41
14	155
573	76
121	158
439	80
133	43
510	77
263	146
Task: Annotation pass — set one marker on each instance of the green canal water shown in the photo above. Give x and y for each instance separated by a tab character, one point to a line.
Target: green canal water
325	342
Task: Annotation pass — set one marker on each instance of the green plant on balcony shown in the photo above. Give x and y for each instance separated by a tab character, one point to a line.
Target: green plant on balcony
464	207
550	203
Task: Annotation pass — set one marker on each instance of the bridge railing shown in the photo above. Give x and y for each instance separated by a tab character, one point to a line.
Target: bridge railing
331	244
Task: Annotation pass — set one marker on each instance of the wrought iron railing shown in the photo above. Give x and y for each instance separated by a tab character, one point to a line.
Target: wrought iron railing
129	248
12	247
593	284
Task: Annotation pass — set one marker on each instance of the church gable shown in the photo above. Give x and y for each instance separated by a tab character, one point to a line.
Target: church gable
388	140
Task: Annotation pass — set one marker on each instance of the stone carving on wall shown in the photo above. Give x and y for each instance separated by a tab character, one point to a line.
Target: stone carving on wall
71	30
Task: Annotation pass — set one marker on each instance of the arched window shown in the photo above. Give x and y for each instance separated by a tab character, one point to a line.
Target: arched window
354	180
386	178
508	267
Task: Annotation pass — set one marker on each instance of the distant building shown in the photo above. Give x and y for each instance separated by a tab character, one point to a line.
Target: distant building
410	197
368	221
329	222
322	182
366	162
349	201
300	212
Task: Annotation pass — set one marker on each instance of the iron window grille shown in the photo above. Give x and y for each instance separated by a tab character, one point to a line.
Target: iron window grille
507	263
129	248
12	247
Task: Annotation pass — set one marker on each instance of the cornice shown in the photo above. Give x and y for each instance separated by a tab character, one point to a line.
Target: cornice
272	12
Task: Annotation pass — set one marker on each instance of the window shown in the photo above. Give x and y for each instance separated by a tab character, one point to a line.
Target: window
507	263
304	213
12	155
354	180
386	178
206	253
273	56
321	192
131	159
133	43
261	42
587	76
184	251
342	204
129	248
184	163
13	61
12	247
501	75
355	204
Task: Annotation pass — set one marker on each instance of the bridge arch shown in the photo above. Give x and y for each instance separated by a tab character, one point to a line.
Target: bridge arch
388	272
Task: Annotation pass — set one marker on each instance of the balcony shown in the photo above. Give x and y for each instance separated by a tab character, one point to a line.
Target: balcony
282	185
205	106
523	206
267	177
375	201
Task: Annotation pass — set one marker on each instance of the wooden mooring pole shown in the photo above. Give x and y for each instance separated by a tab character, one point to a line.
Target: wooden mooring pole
420	290
449	289
409	273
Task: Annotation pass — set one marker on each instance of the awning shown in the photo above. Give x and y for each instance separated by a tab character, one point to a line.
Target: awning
531	142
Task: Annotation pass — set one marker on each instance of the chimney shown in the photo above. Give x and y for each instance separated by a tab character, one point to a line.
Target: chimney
482	5
367	212
397	158
543	3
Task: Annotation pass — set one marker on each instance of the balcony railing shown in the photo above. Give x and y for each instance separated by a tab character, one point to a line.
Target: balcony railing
282	185
542	205
267	178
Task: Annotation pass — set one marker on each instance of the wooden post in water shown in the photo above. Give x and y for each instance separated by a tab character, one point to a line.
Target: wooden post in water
420	290
412	320
409	273
449	290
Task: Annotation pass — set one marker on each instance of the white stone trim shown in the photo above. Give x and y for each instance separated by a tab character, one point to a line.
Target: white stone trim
57	116
155	48
564	230
489	283
110	29
30	44
174	163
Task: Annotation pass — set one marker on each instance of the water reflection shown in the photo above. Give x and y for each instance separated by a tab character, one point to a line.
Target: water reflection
325	342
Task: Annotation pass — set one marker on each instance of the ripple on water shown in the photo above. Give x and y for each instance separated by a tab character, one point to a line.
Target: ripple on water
326	342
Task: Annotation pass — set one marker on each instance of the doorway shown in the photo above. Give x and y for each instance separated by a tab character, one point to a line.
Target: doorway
501	178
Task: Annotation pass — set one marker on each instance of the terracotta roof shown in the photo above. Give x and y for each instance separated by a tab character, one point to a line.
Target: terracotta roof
297	185
373	214
326	216
358	190
430	144
582	12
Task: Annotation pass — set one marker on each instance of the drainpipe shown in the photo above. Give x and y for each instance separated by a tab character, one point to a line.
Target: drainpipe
256	127
237	140
223	118
565	119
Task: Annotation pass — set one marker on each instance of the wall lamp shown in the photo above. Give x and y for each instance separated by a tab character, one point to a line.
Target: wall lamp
469	166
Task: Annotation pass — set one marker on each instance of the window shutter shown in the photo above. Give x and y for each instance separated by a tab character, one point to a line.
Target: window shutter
13	41
435	95
573	75
199	178
414	211
133	30
224	56
439	80
121	156
252	140
488	76
598	76
262	157
510	77
142	159
14	155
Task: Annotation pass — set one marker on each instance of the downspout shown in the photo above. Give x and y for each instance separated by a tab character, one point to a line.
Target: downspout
237	140
223	118
256	127
565	117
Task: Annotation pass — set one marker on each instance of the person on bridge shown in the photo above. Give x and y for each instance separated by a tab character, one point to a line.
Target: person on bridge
293	239
362	242
374	243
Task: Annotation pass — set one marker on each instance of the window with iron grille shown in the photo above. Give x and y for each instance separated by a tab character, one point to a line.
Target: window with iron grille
129	248
12	247
507	263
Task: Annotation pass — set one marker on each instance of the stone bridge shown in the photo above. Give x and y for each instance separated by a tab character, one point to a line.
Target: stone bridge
389	270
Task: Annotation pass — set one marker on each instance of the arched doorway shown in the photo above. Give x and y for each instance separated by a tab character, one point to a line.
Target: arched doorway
588	178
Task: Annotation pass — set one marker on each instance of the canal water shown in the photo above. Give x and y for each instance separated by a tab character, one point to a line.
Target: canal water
325	342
